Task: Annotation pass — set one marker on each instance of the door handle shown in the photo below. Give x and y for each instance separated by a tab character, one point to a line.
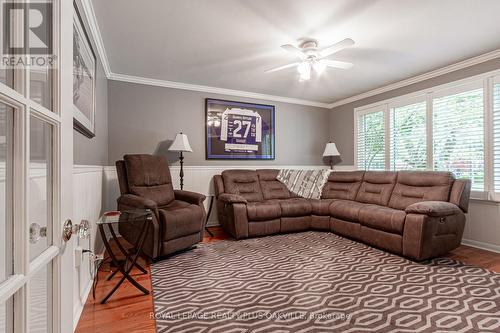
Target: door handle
37	232
82	229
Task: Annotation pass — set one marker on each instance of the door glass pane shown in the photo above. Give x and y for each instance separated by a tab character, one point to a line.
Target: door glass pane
6	115
42	69
40	186
6	316
41	86
40	301
6	75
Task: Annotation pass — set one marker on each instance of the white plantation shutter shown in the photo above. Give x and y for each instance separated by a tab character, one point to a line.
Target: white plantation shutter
458	135
496	137
371	140
408	137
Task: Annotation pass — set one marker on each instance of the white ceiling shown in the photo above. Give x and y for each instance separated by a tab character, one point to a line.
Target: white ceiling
230	43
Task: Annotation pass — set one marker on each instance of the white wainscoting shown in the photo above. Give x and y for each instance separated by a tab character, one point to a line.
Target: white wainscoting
87	205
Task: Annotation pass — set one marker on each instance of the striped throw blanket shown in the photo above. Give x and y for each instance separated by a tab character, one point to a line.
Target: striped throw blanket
304	183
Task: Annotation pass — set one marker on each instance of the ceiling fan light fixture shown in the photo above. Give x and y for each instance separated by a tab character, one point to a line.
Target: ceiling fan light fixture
319	67
304	70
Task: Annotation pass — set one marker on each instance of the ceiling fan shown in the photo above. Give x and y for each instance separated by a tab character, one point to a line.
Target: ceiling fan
313	57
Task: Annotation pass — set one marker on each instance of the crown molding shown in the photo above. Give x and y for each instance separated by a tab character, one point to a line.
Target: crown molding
96	35
419	78
101	50
89	13
214	90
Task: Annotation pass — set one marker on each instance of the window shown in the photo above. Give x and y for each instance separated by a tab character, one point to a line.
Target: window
408	137
453	127
371	140
458	135
496	136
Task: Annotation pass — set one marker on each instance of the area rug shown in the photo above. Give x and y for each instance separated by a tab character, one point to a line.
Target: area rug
319	282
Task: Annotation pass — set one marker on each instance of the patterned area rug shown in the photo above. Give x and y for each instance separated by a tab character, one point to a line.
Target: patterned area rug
319	282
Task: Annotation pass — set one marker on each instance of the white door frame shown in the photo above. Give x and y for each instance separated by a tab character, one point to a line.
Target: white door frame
58	255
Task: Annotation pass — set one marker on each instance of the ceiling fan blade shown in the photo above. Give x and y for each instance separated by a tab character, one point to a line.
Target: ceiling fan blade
282	67
293	49
329	50
337	64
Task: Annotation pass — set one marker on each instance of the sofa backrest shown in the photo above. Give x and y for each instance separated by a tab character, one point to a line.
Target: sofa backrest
271	187
342	185
416	186
148	176
460	193
244	183
376	187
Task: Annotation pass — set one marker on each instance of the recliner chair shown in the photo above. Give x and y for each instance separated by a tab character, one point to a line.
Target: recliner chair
179	216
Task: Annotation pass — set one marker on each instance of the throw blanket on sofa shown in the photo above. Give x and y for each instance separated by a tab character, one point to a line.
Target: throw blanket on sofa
305	183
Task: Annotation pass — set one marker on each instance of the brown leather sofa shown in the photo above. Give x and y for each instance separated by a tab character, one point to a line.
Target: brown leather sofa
179	216
419	215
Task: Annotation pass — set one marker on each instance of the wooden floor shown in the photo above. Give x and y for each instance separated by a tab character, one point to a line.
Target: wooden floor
128	311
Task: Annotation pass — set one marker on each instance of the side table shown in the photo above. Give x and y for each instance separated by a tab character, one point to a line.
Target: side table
142	220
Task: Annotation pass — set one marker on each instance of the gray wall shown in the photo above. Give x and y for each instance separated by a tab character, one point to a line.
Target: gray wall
144	119
342	117
95	151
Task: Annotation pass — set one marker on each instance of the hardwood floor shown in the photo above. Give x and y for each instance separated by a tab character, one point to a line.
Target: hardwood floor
129	311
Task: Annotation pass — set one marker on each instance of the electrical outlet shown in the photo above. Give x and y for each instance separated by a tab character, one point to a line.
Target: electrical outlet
78	256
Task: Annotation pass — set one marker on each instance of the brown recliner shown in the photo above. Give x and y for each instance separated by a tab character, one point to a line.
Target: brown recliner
179	216
417	214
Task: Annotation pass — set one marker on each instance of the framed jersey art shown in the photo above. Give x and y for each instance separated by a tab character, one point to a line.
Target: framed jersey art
237	130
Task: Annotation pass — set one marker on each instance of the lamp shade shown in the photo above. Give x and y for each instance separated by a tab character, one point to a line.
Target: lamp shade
331	150
181	143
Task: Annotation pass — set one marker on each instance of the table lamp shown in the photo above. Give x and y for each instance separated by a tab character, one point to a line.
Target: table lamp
331	151
181	144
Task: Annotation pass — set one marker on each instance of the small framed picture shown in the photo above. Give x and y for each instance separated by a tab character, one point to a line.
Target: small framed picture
84	77
238	130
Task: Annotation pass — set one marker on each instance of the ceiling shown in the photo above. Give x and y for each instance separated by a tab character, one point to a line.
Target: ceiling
230	43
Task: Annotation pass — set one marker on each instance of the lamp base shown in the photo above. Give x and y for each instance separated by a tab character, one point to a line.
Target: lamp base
181	173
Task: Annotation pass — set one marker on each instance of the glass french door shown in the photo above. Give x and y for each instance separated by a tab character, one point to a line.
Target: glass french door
32	164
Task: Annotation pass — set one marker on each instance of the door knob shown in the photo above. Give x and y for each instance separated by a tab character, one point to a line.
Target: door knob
37	232
82	229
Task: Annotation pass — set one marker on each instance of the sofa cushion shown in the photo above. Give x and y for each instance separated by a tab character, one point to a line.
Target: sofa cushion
383	218
342	185
261	211
181	220
148	176
346	210
376	187
321	207
412	187
244	183
295	207
270	186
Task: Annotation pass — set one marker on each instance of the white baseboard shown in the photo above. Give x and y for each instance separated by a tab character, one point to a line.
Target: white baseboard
481	245
77	311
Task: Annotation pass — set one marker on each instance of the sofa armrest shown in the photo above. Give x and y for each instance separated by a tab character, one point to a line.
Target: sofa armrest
433	208
232	198
188	196
136	201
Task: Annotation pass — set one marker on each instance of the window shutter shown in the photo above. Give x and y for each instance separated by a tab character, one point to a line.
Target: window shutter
458	135
408	137
371	141
496	136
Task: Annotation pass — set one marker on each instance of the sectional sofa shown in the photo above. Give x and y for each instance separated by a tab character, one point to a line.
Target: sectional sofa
419	215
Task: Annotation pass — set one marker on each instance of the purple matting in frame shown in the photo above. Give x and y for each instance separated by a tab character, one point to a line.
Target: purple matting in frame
238	130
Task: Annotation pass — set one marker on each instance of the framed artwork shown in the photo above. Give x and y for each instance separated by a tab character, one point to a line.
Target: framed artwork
237	130
84	76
